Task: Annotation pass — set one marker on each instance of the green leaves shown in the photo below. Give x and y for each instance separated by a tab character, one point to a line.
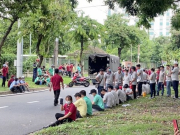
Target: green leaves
119	34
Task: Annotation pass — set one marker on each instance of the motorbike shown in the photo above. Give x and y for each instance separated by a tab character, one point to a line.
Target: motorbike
78	81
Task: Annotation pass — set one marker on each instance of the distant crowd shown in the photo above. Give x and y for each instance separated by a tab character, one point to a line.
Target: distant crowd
41	76
116	88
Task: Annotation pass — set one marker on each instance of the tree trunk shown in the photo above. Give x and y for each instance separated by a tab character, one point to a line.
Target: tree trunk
119	52
40	60
81	53
7	33
5	36
40	37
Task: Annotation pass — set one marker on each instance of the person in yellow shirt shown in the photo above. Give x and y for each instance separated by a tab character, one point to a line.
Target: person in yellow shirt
80	105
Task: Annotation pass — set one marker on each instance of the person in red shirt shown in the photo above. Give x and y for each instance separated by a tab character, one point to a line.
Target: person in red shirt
61	69
157	75
68	70
149	72
11	80
71	70
70	112
4	74
7	66
56	80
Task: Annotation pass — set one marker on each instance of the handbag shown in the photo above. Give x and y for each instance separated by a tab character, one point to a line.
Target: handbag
97	83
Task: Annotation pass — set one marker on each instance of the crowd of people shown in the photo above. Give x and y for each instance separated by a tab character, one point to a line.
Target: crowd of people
116	88
41	76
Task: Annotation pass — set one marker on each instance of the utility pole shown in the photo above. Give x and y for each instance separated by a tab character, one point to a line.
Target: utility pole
19	64
138	53
30	45
56	53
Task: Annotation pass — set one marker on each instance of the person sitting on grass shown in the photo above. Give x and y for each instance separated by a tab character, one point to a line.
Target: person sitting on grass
80	105
15	87
97	102
108	98
88	102
116	99
24	82
37	80
47	80
121	95
11	80
70	112
128	91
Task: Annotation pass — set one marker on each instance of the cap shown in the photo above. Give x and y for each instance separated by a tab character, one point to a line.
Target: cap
126	86
175	62
117	87
93	91
4	65
12	76
119	68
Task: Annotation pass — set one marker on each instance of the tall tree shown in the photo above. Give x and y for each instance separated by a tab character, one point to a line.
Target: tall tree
85	29
45	26
12	10
118	34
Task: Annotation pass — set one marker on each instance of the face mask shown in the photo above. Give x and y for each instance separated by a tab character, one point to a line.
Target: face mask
68	102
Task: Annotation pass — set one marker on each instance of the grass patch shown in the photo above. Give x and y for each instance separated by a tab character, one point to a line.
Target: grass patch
31	84
144	116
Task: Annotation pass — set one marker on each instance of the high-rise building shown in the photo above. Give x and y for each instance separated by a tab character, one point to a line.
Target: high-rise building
161	25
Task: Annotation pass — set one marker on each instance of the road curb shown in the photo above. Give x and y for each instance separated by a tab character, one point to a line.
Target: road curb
23	93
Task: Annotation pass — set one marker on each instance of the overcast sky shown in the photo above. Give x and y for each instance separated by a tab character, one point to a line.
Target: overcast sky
94	10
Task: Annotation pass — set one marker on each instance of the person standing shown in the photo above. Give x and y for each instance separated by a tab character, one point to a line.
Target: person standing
134	80
108	78
139	79
168	80
34	71
126	77
7	66
79	69
56	80
175	78
51	70
118	77
152	79
161	81
4	75
68	70
100	80
145	76
157	74
39	71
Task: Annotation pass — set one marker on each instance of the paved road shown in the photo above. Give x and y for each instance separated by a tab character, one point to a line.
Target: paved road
22	114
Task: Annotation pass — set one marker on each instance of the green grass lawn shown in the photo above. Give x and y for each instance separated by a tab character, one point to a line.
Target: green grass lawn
144	116
31	84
